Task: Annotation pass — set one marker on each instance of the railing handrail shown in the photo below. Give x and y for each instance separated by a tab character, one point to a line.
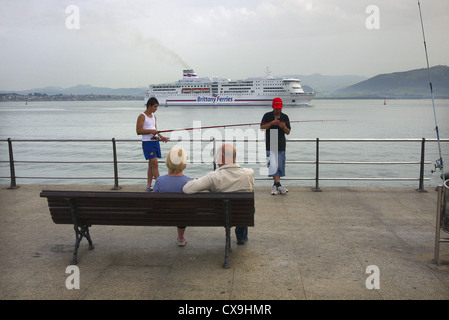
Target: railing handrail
239	140
316	162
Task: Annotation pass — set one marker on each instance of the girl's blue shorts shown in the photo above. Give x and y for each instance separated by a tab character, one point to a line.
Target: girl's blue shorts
151	149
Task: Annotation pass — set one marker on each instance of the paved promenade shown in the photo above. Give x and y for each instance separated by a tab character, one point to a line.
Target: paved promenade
305	246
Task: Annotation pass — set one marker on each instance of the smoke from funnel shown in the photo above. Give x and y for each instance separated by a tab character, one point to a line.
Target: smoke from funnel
153	46
110	23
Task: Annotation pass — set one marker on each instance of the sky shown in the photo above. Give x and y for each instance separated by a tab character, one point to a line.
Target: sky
129	44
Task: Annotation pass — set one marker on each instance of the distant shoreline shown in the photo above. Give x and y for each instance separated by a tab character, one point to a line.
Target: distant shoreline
6	97
14	97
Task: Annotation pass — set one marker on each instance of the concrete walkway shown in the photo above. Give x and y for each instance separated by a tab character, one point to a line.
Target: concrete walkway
305	245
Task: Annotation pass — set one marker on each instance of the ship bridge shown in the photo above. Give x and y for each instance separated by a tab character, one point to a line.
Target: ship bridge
293	85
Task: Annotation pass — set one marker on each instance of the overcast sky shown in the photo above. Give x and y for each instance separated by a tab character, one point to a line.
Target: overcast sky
123	44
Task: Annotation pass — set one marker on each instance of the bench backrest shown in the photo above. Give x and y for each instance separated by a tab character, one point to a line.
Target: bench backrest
150	208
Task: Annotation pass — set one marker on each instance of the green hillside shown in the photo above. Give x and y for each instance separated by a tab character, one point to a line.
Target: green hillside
409	84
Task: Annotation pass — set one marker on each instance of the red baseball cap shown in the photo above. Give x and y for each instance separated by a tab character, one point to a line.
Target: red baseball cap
277	103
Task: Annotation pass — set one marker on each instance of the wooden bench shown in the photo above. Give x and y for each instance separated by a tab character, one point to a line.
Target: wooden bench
86	208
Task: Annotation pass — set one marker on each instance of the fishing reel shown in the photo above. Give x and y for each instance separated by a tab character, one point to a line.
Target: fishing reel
438	165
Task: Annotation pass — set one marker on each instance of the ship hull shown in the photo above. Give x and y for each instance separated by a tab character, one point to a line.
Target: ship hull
192	91
209	100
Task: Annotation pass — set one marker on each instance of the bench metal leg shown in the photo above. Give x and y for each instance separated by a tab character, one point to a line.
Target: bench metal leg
227	248
80	232
227	216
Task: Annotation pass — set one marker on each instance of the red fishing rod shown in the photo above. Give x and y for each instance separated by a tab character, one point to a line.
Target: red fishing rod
241	125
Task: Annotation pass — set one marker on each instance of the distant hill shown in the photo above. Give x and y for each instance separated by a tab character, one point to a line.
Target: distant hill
88	89
402	85
85	90
324	85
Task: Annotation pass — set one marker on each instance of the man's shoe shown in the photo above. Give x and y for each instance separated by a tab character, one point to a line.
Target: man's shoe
282	190
274	190
149	188
241	242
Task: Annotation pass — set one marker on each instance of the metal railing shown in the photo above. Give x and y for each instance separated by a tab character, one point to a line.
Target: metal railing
316	162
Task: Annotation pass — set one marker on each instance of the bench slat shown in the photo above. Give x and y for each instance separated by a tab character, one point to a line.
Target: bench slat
135	218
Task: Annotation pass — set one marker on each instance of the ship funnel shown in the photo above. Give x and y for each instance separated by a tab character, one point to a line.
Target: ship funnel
189	74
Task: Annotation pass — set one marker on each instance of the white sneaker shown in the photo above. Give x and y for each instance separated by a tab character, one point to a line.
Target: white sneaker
274	190
282	190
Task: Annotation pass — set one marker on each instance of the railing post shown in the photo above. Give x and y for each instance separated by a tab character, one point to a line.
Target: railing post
114	152
214	152
317	167
11	166
421	167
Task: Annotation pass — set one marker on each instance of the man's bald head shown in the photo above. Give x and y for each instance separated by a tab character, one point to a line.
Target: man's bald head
225	155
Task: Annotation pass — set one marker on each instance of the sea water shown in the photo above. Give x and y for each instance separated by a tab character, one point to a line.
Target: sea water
66	132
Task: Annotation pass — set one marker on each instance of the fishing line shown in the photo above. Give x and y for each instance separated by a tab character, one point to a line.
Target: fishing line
439	162
240	125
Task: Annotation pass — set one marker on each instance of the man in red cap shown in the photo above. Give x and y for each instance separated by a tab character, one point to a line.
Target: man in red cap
276	125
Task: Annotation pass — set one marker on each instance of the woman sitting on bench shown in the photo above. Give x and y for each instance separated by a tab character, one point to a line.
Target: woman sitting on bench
176	162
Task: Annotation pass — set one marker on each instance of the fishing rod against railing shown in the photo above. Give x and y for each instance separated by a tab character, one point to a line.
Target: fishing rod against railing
438	162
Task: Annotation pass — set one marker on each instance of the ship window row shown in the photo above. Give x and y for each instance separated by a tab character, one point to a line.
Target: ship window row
231	93
164	90
276	88
237	84
236	88
240	89
195	86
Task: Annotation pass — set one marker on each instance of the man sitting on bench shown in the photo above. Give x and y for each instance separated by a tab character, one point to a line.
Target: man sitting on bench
228	177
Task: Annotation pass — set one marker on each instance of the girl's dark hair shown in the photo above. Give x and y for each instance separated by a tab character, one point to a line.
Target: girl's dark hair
152	101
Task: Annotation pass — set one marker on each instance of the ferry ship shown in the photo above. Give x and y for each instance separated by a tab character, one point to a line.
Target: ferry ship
192	90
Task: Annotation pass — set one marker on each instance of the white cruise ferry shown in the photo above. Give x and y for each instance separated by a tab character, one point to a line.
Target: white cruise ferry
192	90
